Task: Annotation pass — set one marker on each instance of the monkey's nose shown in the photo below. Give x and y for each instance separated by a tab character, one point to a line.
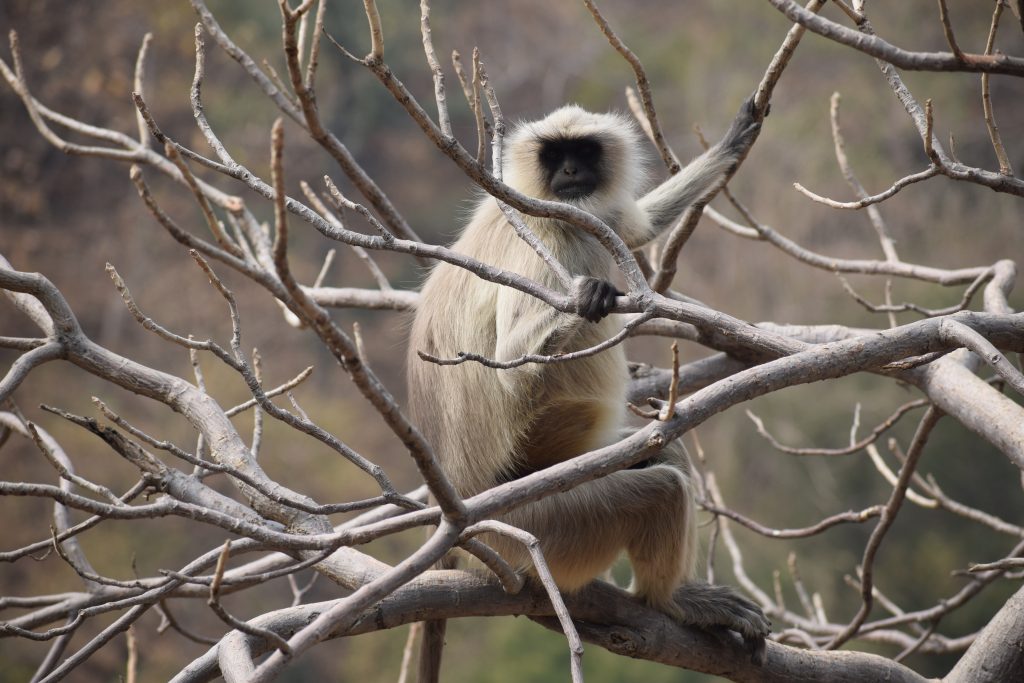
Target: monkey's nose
569	170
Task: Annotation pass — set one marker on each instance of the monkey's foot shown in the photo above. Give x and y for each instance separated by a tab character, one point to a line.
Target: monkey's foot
709	607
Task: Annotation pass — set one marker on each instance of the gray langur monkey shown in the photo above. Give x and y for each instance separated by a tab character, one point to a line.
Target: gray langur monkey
490	426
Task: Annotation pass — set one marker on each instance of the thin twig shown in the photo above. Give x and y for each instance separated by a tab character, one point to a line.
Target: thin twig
877	432
947	29
170	621
335	221
65	472
890	476
444	121
1006	563
669	410
132	665
964	302
235	623
471	91
376	32
929	172
799	587
643	86
415	629
325	268
614	340
892	507
850	517
986	98
782	57
916	645
544	573
139	79
314	48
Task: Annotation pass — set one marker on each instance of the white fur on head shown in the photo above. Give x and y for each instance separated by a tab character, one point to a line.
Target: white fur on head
621	160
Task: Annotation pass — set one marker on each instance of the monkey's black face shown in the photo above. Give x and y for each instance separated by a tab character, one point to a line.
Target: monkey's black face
572	165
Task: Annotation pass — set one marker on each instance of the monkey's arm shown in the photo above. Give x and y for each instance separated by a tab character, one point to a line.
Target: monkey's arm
525	325
665	203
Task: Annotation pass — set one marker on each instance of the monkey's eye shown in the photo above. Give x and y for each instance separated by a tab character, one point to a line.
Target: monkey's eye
549	156
589	150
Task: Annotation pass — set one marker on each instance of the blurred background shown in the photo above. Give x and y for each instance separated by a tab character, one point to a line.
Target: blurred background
67	216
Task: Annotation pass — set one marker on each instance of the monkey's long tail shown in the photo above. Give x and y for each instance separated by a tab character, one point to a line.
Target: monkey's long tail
431	649
432	645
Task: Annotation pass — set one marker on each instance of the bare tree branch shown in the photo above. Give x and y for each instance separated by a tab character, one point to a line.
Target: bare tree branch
911	61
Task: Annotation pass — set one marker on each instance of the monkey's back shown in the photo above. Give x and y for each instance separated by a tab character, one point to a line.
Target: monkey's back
487	424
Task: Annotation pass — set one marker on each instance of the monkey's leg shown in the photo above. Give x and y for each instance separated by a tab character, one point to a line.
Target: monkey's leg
693	603
664	555
650	513
663	549
582	531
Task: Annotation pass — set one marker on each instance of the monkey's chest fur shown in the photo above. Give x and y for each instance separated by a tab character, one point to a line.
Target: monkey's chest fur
489	425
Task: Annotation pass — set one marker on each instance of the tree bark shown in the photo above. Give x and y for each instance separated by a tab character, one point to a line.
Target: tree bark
997	656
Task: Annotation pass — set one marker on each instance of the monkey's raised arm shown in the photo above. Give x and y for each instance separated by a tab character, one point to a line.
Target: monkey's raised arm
665	203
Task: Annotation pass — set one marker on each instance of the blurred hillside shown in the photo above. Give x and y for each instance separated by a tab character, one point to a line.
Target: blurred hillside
67	216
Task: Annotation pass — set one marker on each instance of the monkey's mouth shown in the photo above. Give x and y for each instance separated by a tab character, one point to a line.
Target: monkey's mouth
574	189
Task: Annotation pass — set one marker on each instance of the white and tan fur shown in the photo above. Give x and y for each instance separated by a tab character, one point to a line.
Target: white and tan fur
489	425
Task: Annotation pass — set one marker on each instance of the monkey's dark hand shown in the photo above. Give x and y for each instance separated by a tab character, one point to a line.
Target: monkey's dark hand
744	128
594	298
